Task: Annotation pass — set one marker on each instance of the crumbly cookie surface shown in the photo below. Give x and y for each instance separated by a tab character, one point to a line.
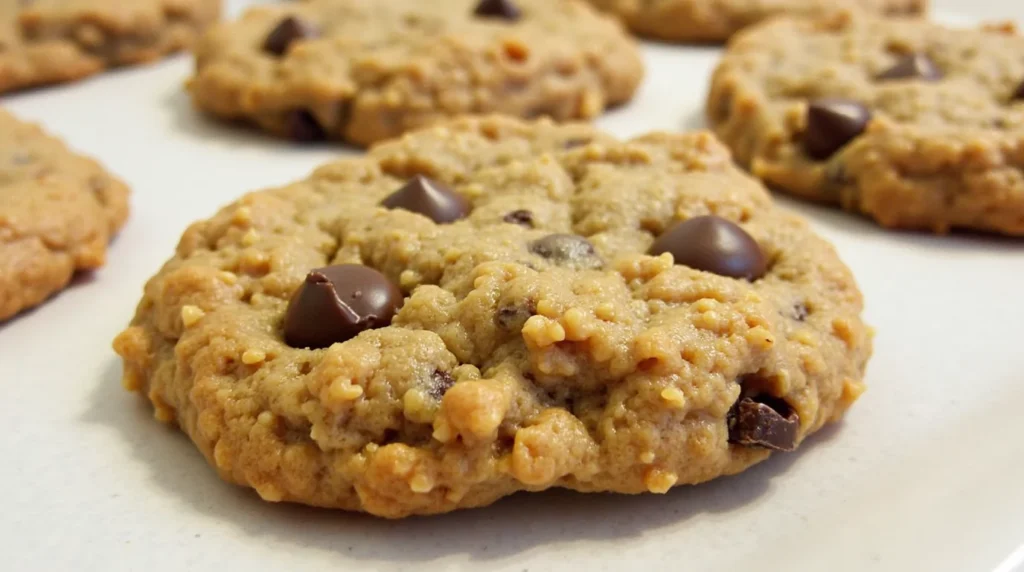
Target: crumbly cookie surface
58	211
53	41
524	356
913	124
365	70
718	20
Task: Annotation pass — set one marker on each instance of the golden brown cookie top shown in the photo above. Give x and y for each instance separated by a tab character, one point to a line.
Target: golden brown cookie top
493	305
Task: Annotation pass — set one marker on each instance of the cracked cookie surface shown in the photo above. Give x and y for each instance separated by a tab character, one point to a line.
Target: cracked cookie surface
365	70
54	41
718	20
58	211
911	123
537	345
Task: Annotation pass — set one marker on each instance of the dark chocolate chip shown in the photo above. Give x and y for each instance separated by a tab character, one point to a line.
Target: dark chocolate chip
440	383
1018	94
430	199
335	303
522	217
713	244
832	123
302	126
286	33
800	312
570	250
504	9
766	422
513	316
913	66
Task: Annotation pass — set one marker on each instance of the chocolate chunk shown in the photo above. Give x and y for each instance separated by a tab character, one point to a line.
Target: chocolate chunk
713	244
832	123
440	383
302	126
522	217
800	312
513	316
286	33
504	9
335	303
767	423
1018	94
569	250
430	199
914	66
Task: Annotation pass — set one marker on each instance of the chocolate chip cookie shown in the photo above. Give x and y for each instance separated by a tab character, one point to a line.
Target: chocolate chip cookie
53	41
365	70
914	124
58	211
717	20
491	305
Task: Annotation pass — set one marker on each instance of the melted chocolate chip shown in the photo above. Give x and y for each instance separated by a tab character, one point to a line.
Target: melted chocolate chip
504	9
335	303
571	250
800	312
831	124
713	244
286	33
575	142
429	198
765	422
522	217
440	383
513	316
913	66
302	126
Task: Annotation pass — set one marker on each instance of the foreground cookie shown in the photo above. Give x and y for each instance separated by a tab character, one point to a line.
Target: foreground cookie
492	306
366	70
48	41
717	20
58	211
915	125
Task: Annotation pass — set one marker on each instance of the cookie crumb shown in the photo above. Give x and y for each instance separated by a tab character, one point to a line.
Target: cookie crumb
191	314
543	332
647	457
674	397
659	481
251	357
421	484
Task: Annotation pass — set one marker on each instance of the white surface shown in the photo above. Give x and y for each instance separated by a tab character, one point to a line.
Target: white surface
925	474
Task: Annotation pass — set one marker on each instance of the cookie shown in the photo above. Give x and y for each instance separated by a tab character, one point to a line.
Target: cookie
58	211
365	70
490	306
717	20
50	41
913	124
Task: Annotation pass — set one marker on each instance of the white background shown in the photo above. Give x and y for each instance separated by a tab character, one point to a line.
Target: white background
926	473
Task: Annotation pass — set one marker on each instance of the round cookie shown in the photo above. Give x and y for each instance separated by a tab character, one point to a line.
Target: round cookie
913	124
365	70
44	41
58	211
717	20
537	345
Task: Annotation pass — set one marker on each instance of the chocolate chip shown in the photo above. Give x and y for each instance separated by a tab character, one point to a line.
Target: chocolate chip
800	312
335	303
767	423
302	126
286	33
504	9
832	123
440	383
713	244
569	250
513	316
913	66
430	199
1018	94
522	217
